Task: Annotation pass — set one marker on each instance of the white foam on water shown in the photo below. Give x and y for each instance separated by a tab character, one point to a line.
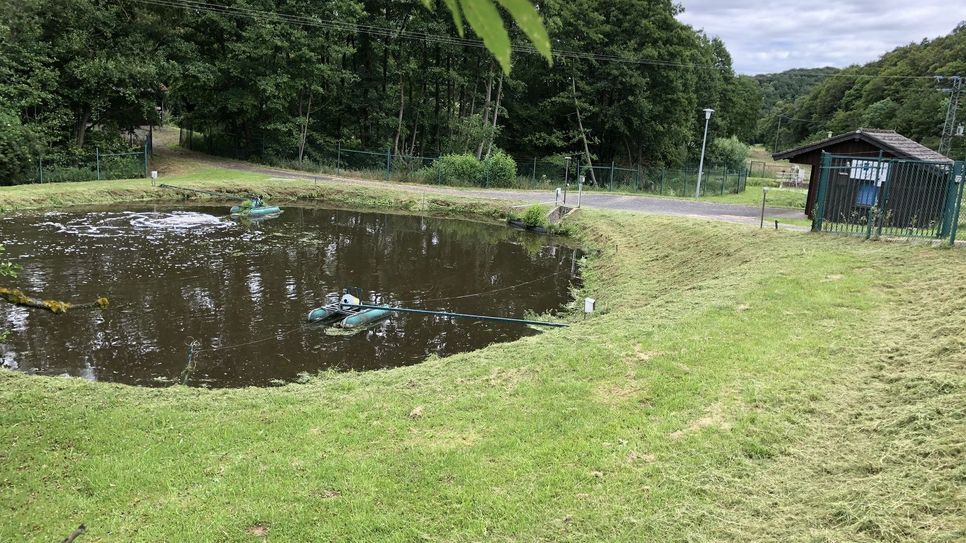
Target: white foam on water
108	225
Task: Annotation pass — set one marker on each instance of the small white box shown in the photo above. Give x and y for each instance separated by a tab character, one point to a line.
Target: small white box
589	304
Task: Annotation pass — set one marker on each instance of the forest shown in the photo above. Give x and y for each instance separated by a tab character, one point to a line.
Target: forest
897	91
282	79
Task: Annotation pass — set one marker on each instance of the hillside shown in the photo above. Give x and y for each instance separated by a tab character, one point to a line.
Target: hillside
894	92
789	85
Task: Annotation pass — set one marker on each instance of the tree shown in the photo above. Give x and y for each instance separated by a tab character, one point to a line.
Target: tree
896	92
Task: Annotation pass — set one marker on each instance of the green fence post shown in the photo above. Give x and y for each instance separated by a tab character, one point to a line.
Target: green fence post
959	169
533	173
41	170
724	179
338	156
97	162
611	175
388	162
145	159
663	173
819	211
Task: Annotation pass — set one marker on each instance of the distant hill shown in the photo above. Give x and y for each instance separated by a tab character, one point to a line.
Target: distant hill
789	85
877	95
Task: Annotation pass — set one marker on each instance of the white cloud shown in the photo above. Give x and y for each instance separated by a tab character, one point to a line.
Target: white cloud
775	35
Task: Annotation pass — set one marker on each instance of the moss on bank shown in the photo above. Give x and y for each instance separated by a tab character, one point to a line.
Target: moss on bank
735	384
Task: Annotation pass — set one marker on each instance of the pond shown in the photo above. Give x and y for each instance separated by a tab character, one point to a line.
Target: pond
241	291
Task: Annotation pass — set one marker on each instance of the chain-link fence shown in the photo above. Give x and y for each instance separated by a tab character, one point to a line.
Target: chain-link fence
545	173
531	172
773	170
94	166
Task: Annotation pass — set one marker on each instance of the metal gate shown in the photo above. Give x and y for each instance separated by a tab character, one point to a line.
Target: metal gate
884	197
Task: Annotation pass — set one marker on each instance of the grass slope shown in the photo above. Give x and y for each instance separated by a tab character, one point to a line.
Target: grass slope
736	384
277	190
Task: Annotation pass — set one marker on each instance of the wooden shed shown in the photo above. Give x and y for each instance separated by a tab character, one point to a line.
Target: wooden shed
860	143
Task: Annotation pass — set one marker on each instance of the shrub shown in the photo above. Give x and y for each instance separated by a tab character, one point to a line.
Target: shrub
18	150
457	168
499	170
729	153
534	216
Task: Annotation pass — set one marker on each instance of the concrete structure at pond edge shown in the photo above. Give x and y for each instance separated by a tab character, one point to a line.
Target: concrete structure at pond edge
861	143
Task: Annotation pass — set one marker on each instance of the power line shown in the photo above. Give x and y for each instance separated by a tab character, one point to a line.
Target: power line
380	31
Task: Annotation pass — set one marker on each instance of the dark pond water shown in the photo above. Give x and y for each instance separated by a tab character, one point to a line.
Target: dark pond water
242	291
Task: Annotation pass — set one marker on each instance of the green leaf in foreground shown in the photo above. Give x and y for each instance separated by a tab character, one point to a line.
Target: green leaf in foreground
527	18
454	8
485	20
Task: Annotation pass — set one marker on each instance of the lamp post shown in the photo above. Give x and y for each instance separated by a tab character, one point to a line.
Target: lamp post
566	178
704	144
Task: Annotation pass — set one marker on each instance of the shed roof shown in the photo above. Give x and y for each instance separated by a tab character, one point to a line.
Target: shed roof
887	140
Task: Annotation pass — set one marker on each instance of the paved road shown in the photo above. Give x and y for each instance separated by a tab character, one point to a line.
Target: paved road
621	202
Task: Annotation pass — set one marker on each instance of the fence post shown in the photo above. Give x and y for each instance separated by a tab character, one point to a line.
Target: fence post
663	173
959	169
949	203
41	170
611	175
97	162
388	162
724	179
338	157
145	159
819	210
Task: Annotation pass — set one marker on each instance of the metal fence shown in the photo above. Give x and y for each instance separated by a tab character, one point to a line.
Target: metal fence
879	197
771	170
100	165
532	173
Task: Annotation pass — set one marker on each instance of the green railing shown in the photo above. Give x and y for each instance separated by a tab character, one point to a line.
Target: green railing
879	197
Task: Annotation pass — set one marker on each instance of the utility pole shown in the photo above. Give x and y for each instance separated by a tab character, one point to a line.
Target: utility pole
777	132
950	125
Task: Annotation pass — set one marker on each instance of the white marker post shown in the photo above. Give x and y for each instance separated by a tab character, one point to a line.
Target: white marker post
154	177
589	305
580	189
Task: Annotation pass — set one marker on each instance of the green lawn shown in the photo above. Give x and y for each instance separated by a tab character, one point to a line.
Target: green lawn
793	198
736	384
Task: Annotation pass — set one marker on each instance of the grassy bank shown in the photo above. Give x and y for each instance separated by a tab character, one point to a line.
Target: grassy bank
53	195
735	384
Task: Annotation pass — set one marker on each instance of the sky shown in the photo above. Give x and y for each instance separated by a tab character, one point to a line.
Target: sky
767	36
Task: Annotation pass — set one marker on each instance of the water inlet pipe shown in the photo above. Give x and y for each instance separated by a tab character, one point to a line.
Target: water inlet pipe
456	315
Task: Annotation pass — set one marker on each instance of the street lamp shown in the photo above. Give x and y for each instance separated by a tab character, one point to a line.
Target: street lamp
707	118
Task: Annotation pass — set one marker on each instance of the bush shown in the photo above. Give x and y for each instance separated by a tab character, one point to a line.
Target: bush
534	216
729	153
18	150
499	170
457	168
